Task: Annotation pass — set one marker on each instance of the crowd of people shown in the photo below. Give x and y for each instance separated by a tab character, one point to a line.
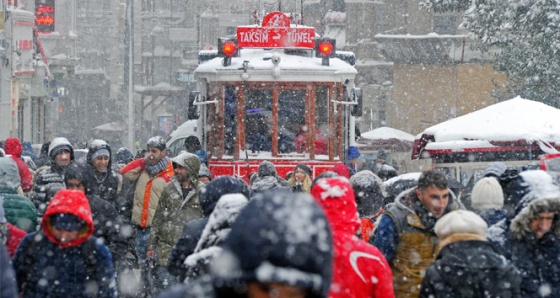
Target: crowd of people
151	225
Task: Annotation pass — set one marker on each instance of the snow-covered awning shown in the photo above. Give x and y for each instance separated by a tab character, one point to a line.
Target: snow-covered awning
387	138
515	124
387	133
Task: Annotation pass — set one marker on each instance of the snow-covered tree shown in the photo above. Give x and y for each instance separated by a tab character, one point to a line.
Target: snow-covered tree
527	34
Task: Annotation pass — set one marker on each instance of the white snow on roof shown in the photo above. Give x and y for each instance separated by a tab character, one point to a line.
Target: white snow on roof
511	120
387	133
287	62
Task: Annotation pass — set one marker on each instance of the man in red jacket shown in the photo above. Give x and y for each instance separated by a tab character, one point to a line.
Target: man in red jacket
360	270
13	148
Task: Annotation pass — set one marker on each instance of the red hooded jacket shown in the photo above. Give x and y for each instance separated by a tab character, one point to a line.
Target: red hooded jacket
13	148
73	202
360	270
341	169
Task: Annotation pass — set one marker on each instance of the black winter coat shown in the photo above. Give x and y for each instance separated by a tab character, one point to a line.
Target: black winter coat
107	226
538	262
470	269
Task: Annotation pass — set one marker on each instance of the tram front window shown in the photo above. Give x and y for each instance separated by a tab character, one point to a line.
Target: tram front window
291	121
258	120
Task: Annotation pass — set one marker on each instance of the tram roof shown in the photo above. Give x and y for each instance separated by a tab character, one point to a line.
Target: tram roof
291	67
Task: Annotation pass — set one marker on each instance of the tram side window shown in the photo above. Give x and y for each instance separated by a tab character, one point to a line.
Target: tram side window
258	120
322	120
229	120
291	121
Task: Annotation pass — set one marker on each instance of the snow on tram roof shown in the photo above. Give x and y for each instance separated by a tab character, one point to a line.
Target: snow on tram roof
256	58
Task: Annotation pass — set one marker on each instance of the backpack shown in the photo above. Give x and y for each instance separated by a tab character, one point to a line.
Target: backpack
367	226
88	254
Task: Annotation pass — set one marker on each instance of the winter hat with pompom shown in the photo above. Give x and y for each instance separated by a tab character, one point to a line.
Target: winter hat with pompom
487	194
460	222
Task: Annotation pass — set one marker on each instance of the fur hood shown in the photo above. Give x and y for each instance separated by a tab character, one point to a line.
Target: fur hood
542	195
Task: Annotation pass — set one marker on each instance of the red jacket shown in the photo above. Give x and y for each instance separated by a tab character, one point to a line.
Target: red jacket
14	238
13	148
73	202
360	270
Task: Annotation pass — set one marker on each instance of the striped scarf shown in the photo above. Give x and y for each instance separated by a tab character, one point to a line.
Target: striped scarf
158	167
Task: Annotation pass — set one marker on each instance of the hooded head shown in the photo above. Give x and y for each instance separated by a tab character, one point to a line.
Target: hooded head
215	189
190	162
293	247
192	144
123	156
336	196
541	195
98	148
266	168
487	194
9	175
68	202
59	144
13	147
369	191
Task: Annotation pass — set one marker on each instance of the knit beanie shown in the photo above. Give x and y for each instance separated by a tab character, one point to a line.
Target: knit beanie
353	152
460	221
487	194
304	168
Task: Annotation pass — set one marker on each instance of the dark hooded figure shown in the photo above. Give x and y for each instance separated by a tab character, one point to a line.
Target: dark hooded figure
369	191
192	230
530	238
267	179
281	259
370	194
102	179
123	157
